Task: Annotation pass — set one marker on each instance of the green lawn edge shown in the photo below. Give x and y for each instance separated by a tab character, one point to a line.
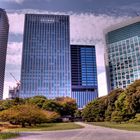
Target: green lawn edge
48	127
8	135
121	126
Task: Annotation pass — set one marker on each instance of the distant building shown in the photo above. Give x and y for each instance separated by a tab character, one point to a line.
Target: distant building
46	63
4	30
83	74
14	92
123	53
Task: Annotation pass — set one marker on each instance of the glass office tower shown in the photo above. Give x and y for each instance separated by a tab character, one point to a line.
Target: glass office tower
4	30
123	53
46	64
83	74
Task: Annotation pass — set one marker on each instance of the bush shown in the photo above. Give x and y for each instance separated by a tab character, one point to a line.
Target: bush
52	105
120	105
117	116
136	119
111	99
68	106
37	100
95	110
51	116
26	114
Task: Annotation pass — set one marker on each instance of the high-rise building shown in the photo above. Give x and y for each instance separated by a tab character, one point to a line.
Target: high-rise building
83	74
123	53
46	63
4	30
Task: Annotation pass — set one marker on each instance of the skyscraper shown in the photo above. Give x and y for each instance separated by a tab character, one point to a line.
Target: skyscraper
4	29
84	74
46	64
123	53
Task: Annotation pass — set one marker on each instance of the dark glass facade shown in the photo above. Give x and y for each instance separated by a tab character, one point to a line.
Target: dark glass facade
84	74
123	54
46	68
4	30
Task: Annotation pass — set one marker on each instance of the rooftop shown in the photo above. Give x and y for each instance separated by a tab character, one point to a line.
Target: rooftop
122	24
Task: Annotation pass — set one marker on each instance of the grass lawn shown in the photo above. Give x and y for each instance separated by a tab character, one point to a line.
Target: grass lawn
8	135
123	126
47	127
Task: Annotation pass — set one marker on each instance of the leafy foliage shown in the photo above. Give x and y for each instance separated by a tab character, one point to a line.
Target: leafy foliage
22	114
68	106
37	100
95	111
111	99
6	104
120	105
37	109
52	105
78	114
117	116
27	114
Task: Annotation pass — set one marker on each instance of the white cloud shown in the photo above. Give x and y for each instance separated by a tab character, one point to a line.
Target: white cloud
15	1
85	28
88	27
16	22
14	51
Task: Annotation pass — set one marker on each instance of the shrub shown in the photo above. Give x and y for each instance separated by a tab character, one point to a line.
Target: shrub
37	100
24	114
52	116
136	119
117	116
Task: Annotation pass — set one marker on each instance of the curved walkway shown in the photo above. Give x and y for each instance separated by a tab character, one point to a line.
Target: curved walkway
90	132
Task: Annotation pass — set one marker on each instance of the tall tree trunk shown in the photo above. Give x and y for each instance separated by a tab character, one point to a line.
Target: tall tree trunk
23	124
30	124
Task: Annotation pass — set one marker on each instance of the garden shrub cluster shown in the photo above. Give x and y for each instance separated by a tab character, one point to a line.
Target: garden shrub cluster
119	105
36	110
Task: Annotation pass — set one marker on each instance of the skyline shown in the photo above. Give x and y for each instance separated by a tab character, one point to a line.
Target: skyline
95	23
122	54
46	64
4	30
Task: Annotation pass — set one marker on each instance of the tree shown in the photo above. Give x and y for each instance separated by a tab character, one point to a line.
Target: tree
52	105
120	105
78	114
68	106
136	119
25	114
117	116
128	102
136	100
111	98
87	112
6	104
52	116
37	100
95	110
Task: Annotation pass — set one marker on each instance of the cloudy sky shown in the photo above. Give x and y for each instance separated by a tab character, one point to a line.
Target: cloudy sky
88	19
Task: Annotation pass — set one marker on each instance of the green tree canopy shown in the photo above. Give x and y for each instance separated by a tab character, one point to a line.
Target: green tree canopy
26	114
37	100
